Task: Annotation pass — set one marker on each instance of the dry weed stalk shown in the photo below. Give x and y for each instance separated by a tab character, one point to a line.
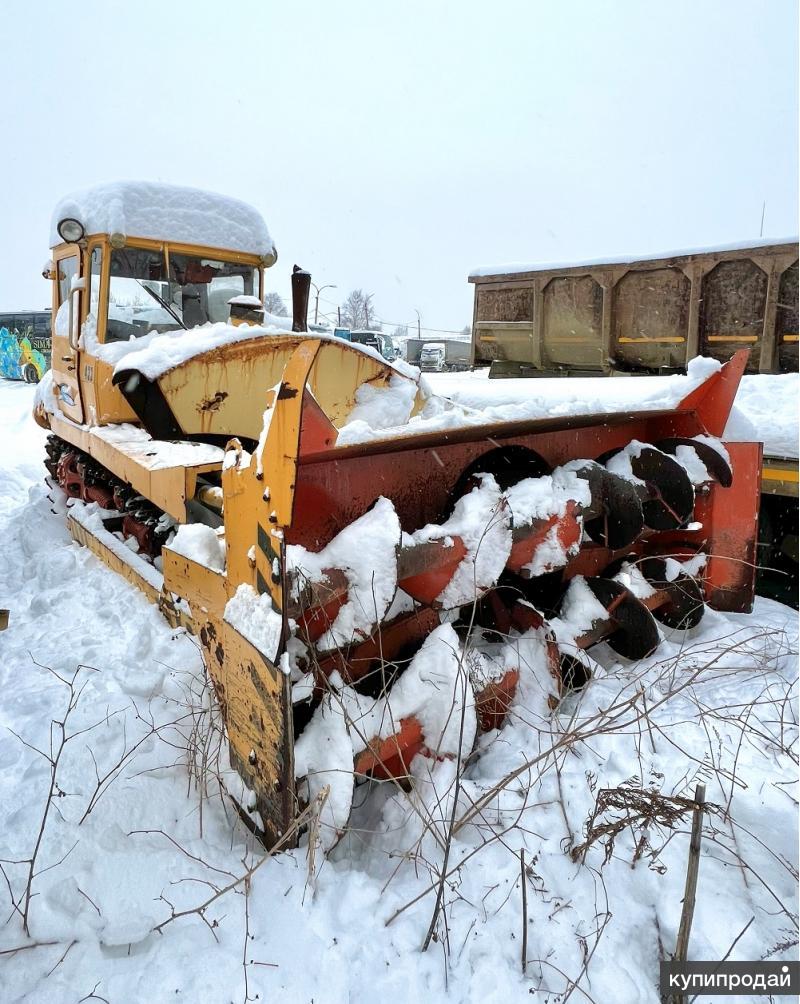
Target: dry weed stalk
640	810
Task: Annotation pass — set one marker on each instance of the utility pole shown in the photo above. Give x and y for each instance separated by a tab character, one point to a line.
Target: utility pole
419	330
318	290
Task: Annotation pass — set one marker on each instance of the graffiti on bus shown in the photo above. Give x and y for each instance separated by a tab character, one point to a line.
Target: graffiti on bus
25	346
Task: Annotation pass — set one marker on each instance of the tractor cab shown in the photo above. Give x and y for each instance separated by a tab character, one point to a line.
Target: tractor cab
134	260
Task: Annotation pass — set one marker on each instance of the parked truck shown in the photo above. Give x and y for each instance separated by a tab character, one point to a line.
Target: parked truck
652	315
438	355
375	340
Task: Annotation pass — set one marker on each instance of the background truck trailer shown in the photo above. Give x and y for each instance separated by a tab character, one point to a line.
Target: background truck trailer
652	315
643	315
451	355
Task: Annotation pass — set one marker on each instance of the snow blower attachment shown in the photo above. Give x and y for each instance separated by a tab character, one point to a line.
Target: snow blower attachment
363	602
374	574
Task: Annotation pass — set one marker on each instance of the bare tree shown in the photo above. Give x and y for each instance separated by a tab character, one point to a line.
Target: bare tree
358	310
401	331
466	331
273	304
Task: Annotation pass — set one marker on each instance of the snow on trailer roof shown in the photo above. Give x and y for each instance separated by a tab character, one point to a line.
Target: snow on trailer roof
513	268
166	212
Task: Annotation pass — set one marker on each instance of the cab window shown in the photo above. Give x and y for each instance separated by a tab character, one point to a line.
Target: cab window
95	269
145	296
67	271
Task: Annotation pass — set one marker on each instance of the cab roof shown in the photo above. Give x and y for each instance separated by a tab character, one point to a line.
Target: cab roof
168	213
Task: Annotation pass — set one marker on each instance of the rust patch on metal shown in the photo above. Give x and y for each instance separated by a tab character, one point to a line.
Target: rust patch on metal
258	686
213	403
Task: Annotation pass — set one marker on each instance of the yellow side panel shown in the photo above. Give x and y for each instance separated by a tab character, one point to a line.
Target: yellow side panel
254	696
85	537
224	391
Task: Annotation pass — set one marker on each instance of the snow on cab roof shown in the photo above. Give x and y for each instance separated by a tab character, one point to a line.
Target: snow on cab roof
515	267
166	212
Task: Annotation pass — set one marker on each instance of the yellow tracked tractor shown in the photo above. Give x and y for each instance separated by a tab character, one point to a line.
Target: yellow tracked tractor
371	571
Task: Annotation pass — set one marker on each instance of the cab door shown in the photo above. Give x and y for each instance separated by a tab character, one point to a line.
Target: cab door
67	297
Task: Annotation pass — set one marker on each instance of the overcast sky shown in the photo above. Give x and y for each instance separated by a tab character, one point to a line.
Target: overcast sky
396	146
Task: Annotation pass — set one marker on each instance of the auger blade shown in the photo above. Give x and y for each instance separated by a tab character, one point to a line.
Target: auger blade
574	672
716	465
668	500
633	632
685	603
620	518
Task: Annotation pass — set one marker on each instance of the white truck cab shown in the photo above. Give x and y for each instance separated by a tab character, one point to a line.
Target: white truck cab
432	357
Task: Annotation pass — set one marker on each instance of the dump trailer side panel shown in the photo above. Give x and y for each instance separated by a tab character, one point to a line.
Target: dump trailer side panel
650	315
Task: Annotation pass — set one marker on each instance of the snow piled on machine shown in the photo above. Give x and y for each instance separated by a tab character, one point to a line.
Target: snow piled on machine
153	210
154	354
765	409
482	521
458	401
365	551
255	617
200	543
412	404
433	690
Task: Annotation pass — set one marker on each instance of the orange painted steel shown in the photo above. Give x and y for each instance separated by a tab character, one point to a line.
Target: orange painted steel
712	401
494	702
384	647
730	532
568	529
426	586
391	757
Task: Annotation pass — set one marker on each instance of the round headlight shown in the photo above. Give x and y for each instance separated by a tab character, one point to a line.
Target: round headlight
70	230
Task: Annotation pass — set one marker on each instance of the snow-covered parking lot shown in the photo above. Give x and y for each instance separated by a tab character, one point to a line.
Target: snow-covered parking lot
113	833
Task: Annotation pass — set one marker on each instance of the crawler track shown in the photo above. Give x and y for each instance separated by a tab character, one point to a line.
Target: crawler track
81	477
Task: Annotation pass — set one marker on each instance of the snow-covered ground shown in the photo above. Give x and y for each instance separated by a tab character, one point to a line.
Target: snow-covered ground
129	840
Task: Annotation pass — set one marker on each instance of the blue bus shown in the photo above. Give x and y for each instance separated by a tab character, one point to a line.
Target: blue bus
25	345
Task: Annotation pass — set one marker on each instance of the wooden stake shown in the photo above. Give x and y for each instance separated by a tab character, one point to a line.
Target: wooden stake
682	944
524	911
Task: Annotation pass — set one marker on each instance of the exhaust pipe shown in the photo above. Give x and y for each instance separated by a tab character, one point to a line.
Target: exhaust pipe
301	288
